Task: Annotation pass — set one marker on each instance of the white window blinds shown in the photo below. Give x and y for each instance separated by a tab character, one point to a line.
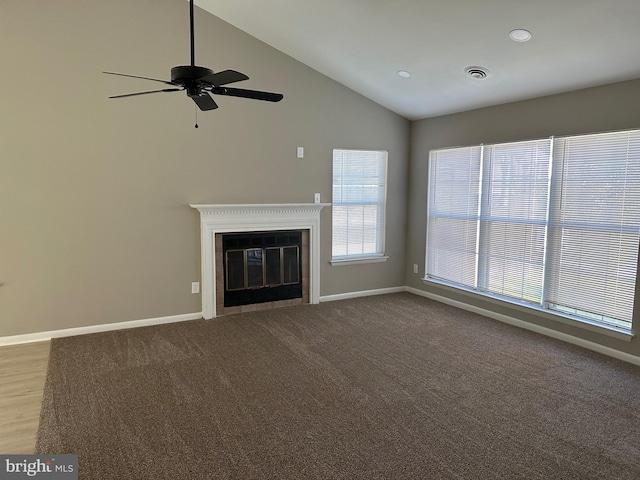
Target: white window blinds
453	214
551	223
359	197
595	225
514	217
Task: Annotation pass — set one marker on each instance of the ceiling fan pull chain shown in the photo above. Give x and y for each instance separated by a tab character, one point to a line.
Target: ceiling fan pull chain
196	112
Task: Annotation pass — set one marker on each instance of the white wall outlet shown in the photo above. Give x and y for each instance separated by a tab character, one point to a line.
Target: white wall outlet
300	152
316	198
415	268
195	287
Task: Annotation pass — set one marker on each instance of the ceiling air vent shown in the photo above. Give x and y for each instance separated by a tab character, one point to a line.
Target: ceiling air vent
477	72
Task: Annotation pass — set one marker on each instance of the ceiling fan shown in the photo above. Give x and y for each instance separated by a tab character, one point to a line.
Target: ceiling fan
200	82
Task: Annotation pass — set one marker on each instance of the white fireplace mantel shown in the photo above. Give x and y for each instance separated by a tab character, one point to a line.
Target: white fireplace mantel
256	217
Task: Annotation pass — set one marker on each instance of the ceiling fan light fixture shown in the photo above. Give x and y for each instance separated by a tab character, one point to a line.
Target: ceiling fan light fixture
520	35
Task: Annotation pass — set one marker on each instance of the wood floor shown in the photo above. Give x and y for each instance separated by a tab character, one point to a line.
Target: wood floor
22	373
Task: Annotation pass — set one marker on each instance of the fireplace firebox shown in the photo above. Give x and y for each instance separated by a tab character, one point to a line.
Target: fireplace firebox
261	267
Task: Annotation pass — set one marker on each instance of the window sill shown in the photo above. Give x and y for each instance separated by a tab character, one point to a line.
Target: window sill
358	260
603	329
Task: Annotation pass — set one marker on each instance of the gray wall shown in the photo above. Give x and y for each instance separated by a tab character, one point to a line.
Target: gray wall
610	107
95	226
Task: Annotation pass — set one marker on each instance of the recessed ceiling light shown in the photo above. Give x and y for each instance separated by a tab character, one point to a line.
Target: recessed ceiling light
520	35
403	73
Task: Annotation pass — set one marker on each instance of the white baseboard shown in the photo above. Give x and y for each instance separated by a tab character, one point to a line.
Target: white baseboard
361	293
69	332
611	352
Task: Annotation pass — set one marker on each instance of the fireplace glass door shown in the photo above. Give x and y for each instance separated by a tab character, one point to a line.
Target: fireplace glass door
262	267
255	272
258	268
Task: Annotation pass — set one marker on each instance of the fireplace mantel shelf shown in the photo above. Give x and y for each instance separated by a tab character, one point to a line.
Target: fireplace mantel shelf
248	208
225	218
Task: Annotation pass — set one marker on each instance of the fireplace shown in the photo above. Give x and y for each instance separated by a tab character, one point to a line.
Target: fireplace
259	268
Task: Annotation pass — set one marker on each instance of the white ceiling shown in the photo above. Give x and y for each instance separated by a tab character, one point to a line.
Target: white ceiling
362	43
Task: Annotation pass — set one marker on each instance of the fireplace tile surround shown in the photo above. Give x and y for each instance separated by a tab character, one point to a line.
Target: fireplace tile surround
220	219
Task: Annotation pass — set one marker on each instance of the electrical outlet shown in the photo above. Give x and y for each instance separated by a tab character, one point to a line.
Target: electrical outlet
195	287
415	268
316	198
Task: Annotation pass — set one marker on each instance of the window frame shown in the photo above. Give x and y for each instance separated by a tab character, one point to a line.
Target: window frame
380	225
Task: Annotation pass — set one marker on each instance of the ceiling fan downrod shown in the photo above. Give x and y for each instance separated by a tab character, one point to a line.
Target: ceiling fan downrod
193	42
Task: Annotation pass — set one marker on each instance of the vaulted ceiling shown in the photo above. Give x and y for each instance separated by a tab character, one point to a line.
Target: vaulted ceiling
364	43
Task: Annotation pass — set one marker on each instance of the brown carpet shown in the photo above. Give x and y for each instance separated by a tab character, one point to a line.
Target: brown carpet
394	386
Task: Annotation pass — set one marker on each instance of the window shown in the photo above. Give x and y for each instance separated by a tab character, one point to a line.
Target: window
359	201
551	223
595	227
513	219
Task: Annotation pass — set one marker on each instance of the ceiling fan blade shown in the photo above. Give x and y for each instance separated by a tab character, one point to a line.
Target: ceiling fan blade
224	77
135	76
253	94
146	93
204	101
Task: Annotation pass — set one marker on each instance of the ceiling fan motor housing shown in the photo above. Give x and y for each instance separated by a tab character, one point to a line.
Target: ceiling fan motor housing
188	76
